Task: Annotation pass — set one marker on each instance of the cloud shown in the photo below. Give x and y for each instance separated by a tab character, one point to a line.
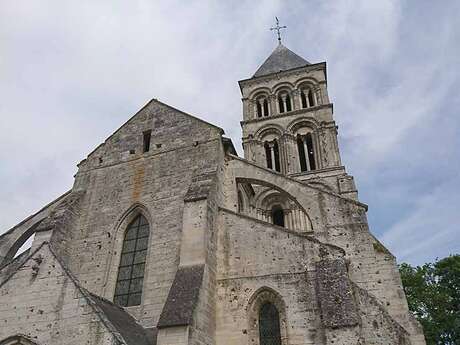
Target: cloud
74	72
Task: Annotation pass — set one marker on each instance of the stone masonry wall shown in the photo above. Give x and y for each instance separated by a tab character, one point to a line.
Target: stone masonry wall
115	179
253	256
41	302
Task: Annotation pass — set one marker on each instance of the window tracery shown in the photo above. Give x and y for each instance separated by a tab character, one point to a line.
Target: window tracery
269	325
128	290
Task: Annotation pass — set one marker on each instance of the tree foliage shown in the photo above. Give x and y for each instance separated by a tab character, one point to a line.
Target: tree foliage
433	295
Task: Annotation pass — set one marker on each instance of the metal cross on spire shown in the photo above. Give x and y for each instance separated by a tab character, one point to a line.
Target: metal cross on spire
278	29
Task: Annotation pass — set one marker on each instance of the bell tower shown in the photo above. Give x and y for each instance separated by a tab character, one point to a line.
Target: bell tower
288	123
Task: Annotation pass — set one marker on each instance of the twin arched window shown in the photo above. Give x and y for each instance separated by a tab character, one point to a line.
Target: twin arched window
307	98
128	290
306	152
272	155
269	325
284	102
262	107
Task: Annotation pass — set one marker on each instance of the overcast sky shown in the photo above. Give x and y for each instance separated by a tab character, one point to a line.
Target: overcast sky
73	72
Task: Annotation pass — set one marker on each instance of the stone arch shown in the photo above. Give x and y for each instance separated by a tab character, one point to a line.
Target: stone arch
304	121
260	91
17	340
308	80
260	297
114	255
294	217
269	129
282	86
19	241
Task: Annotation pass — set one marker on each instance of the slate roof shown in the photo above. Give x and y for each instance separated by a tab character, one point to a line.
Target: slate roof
182	297
281	59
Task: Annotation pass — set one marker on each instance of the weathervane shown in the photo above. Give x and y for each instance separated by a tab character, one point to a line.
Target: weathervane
278	28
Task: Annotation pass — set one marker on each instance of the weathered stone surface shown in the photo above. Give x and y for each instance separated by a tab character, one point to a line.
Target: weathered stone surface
335	295
226	234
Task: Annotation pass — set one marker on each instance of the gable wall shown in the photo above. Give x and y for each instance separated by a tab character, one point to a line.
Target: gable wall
157	180
41	302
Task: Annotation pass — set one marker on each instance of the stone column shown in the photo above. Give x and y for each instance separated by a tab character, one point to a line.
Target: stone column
273	105
296	101
306	150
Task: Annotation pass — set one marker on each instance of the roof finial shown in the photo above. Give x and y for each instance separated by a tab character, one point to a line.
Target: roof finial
278	28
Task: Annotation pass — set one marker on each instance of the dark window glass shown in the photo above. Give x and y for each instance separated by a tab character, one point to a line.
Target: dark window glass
268	155
278	216
304	99
259	109
302	155
277	156
265	107
128	290
281	104
288	103
310	98
311	151
147	136
269	325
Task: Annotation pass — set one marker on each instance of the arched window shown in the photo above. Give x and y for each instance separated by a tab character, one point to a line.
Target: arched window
272	155
269	325
262	106
303	98
307	98
128	290
306	152
278	216
259	109
284	102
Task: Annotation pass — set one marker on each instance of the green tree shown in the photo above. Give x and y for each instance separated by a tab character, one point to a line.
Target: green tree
433	295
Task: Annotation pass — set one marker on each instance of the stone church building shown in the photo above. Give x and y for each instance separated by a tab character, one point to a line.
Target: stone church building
167	237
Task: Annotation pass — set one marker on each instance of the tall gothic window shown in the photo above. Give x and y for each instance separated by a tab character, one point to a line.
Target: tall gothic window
269	325
272	155
306	152
128	290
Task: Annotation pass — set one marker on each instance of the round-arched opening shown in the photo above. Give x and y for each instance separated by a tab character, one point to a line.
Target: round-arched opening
278	215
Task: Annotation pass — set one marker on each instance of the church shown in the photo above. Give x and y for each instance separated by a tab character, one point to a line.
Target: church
168	237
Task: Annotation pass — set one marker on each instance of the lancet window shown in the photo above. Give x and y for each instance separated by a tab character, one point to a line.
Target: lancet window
269	325
306	152
128	290
284	102
272	155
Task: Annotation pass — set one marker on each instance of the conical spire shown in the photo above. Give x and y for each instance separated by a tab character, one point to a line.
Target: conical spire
281	59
